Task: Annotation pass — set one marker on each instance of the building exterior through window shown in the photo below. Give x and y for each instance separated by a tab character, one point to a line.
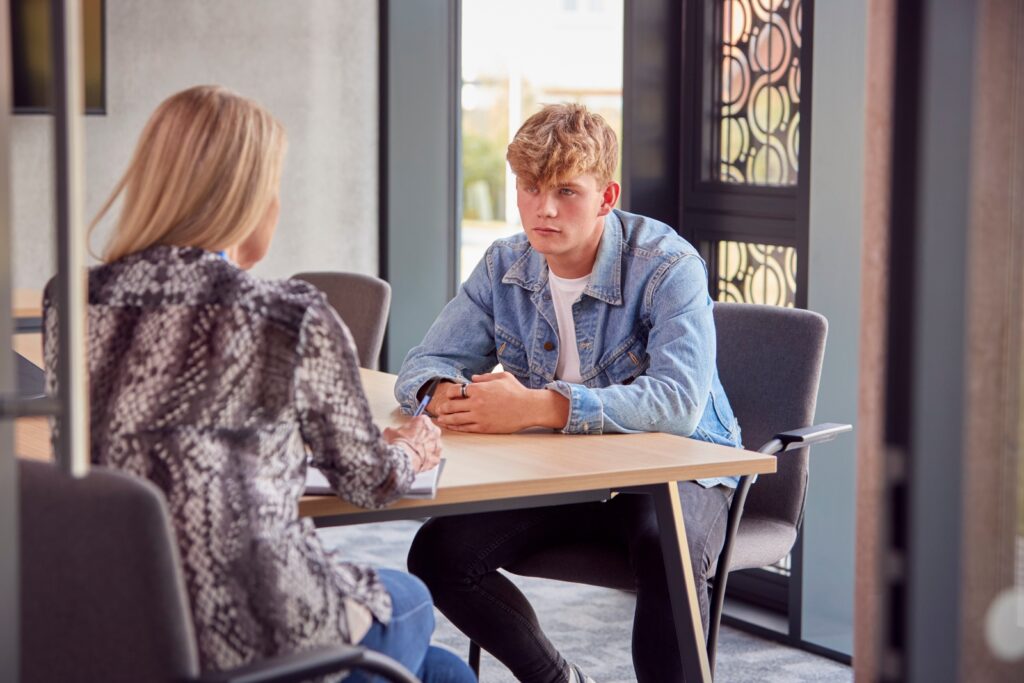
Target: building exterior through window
506	78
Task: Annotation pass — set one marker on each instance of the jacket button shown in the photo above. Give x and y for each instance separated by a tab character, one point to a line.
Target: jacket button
548	346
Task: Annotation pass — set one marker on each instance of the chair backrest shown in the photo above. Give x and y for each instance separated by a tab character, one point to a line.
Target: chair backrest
363	302
102	596
769	361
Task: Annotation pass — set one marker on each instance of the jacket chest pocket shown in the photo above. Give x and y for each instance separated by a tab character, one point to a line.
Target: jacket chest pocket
512	355
626	363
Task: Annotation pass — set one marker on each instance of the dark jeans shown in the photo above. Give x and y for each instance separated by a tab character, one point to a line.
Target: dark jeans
459	557
406	638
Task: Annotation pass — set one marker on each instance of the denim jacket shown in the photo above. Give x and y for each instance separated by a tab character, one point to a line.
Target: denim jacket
644	330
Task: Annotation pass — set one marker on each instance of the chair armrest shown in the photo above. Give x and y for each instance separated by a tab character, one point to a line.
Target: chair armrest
301	666
804	437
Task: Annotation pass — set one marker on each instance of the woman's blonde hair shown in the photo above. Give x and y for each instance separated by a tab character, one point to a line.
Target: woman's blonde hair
204	173
563	141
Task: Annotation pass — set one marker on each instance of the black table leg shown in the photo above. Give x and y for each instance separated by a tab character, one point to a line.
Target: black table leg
682	590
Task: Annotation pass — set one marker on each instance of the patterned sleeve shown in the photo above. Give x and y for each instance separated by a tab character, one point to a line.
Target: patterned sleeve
334	416
50	355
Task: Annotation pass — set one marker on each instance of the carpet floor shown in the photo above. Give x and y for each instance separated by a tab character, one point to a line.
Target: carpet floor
591	626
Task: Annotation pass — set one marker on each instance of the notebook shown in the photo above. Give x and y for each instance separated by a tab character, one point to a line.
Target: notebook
424	485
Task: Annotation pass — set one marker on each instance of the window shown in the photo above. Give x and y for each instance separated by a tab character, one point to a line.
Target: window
745	188
505	79
745	180
756	109
755	273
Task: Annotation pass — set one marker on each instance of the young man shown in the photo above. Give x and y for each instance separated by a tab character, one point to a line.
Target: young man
602	322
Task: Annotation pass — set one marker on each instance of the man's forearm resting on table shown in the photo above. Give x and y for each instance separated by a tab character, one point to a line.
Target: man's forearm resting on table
531	408
548	409
498	403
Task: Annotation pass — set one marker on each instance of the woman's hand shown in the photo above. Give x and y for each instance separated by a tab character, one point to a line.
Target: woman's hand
421	438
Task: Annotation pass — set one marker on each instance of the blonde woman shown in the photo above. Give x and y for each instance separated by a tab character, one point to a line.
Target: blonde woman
214	384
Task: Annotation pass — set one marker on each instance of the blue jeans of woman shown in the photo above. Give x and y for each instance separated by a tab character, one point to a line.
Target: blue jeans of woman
459	558
406	637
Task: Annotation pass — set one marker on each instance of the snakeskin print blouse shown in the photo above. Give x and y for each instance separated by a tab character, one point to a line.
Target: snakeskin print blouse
214	384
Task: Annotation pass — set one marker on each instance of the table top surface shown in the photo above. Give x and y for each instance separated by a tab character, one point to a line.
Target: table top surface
482	467
27	303
30	346
541	462
31	434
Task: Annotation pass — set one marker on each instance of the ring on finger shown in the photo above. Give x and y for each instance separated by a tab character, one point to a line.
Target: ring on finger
462	390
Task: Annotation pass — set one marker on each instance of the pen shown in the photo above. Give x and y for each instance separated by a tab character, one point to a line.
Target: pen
429	394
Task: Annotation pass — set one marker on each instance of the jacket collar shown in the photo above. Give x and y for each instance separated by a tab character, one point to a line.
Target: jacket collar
530	271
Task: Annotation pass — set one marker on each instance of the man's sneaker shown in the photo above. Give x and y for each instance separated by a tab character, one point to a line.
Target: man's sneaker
577	676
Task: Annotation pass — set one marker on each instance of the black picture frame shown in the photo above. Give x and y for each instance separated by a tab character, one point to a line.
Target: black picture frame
31	55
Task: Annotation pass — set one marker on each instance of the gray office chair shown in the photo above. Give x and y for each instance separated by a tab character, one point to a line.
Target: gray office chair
769	361
363	302
103	598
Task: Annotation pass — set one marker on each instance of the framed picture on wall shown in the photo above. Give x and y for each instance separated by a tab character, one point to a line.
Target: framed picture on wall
31	58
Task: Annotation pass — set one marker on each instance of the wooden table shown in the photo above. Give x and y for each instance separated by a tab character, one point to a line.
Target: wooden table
31	434
494	472
28	303
28	310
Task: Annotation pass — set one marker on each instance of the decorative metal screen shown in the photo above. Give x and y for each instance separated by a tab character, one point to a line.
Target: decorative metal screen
757	109
745	178
756	273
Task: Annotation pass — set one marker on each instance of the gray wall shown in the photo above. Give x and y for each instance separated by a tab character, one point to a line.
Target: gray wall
837	170
312	63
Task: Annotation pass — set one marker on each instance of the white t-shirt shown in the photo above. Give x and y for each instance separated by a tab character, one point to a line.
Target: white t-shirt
564	294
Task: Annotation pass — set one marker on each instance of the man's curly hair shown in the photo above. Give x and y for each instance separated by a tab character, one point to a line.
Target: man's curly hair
563	141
